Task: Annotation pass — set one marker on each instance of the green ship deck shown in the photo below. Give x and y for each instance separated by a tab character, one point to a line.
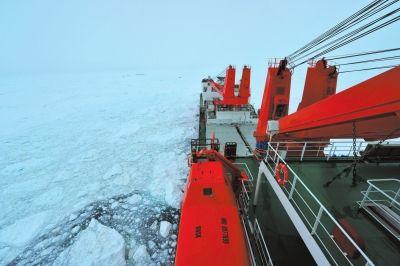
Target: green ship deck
319	207
285	245
339	198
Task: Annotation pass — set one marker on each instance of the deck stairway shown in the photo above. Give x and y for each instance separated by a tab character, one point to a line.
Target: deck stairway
381	202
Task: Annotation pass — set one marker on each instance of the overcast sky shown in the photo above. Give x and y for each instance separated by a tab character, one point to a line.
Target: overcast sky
89	35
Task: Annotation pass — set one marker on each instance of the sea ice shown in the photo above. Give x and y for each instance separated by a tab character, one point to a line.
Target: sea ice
96	245
165	227
134	199
154	225
74	140
141	256
113	171
151	244
23	230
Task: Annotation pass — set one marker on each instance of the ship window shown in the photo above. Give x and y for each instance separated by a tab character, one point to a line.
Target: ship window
197	232
207	191
330	91
280	110
280	90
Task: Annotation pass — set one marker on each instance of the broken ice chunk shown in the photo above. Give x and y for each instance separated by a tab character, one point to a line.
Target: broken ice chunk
165	227
96	245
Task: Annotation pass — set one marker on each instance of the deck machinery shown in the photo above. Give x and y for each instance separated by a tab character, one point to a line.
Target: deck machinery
270	187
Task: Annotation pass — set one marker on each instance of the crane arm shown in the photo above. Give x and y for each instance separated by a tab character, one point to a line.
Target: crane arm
374	106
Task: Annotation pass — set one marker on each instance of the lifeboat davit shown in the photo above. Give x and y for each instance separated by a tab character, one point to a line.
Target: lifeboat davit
210	230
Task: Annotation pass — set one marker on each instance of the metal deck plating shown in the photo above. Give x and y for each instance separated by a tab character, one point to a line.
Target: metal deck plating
274	235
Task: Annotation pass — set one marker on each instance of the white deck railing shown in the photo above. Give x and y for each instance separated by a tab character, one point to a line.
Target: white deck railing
262	246
383	194
325	150
318	219
246	169
255	230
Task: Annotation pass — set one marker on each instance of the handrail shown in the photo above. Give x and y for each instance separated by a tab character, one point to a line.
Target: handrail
363	202
387	205
248	172
264	249
255	230
229	166
370	181
326	150
322	208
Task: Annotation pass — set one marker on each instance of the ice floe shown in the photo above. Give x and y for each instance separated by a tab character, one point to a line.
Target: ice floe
96	245
165	227
70	142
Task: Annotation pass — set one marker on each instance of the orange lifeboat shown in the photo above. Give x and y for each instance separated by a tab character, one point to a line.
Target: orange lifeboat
210	231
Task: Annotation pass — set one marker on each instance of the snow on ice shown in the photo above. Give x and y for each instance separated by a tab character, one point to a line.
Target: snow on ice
141	257
19	233
96	245
165	227
75	147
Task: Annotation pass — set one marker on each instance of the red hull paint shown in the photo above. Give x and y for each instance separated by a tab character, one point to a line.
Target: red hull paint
210	230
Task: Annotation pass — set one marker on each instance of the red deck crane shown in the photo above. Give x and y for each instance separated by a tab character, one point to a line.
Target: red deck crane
373	106
227	90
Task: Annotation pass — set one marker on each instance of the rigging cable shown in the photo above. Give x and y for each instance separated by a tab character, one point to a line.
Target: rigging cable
335	57
370	68
342	26
332	30
360	19
220	74
370	60
349	40
352	36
